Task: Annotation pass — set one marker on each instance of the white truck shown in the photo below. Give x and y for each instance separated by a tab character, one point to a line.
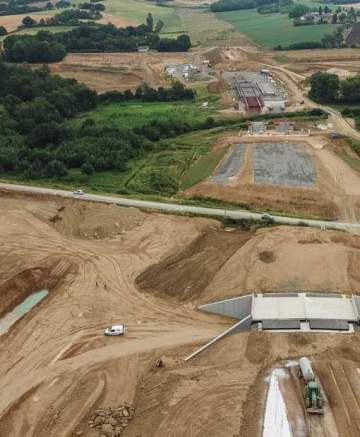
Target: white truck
116	330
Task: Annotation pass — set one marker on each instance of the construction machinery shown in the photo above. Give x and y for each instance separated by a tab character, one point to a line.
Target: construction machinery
312	391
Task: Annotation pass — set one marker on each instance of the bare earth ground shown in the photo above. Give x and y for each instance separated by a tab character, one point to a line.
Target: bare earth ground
336	184
118	71
56	366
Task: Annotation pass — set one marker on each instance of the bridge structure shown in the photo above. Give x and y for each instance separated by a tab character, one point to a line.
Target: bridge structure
287	312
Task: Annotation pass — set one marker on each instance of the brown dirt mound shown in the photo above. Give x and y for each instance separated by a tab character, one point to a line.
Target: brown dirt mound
214	56
185	275
86	220
218	86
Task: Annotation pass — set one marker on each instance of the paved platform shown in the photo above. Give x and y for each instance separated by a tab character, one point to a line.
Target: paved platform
292	311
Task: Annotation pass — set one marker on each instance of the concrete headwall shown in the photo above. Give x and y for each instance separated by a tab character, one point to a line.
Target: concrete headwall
238	307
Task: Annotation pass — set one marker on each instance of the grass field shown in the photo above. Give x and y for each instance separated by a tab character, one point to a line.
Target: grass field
271	30
137	10
139	113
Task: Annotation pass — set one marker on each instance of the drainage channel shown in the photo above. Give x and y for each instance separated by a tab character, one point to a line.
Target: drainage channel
9	319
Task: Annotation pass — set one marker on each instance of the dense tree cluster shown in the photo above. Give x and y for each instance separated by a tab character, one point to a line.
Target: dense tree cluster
14	7
92	6
51	47
40	48
69	17
328	88
147	94
37	141
237	5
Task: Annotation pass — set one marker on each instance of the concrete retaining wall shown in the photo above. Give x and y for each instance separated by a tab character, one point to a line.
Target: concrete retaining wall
238	307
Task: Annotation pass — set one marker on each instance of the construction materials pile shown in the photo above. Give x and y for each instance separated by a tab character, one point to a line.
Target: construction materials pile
110	422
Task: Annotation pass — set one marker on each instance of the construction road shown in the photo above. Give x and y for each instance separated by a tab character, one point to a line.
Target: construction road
182	209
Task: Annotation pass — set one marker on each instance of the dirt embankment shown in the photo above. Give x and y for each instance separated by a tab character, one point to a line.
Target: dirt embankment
49	275
222	264
185	275
86	220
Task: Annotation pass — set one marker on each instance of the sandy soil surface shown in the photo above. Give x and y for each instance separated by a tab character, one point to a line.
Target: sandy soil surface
321	200
118	71
56	366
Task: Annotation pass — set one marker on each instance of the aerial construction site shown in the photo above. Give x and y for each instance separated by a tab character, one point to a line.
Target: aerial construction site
102	264
180	235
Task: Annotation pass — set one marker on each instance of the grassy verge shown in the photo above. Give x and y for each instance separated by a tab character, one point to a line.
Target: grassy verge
202	168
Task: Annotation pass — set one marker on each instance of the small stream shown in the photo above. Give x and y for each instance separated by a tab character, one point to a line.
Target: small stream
10	318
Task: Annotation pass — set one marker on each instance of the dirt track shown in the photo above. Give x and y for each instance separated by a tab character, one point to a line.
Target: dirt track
57	366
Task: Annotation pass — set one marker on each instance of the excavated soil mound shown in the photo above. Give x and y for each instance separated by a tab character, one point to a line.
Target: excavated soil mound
218	86
214	56
186	274
86	220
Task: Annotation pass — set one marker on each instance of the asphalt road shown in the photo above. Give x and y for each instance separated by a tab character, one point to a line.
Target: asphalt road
172	207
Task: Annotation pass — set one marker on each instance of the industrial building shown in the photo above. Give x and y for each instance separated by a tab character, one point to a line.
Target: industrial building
258	92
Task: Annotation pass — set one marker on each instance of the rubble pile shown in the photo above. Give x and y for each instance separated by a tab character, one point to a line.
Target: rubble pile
111	421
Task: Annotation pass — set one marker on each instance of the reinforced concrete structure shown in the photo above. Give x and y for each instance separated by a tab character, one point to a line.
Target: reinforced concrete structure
302	312
329	311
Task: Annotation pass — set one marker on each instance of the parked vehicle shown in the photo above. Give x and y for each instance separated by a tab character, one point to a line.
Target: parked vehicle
116	330
267	218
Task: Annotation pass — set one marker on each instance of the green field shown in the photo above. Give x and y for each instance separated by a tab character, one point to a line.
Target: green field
132	114
271	30
137	10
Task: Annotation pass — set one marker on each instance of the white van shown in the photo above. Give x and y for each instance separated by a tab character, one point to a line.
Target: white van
116	330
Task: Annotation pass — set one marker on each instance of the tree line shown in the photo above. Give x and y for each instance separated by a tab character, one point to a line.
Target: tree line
37	139
46	47
14	7
145	93
328	88
237	5
69	17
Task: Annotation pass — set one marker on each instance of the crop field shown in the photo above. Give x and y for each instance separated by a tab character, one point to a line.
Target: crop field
272	30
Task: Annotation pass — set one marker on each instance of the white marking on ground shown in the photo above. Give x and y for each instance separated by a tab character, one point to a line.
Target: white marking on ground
276	423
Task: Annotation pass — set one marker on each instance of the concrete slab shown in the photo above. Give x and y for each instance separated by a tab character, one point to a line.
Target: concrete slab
281	324
283	165
303	307
336	325
231	165
276	308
